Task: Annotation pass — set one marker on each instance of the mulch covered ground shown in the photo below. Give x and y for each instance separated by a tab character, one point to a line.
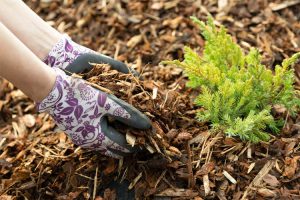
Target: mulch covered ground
182	160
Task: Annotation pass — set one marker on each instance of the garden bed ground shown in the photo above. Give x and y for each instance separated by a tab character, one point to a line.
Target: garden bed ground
37	161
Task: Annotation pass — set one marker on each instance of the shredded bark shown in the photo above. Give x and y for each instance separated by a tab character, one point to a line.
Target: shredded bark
183	159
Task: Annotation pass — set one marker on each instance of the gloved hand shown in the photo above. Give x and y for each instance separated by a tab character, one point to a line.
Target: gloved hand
75	58
81	111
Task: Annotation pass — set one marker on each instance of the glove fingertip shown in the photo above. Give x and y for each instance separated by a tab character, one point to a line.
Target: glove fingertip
143	122
136	120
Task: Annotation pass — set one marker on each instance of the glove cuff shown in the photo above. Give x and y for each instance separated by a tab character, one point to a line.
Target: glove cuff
55	94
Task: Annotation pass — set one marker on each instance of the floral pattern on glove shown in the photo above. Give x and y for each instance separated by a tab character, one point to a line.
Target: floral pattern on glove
78	109
64	52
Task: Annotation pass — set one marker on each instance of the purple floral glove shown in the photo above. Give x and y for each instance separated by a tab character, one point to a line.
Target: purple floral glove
72	57
64	52
81	111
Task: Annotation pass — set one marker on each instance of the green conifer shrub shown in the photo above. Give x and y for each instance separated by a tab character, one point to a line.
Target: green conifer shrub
237	91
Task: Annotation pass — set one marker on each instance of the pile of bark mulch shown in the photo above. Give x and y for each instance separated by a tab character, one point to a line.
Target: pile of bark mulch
183	160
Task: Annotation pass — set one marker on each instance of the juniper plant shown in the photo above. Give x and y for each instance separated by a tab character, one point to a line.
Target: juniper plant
237	91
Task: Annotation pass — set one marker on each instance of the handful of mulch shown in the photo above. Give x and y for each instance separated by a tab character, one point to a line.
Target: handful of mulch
165	101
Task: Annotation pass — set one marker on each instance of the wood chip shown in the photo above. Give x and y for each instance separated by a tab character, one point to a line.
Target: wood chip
130	138
259	177
285	4
206	184
229	177
135	180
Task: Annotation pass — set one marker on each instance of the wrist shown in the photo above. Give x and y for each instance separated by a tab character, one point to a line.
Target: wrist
42	86
44	45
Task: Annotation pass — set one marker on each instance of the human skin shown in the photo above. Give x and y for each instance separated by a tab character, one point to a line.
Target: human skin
26	25
23	68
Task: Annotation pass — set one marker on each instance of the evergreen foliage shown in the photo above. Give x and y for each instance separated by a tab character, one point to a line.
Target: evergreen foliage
237	91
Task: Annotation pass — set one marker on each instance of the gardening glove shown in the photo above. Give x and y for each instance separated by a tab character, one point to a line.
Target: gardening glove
75	58
81	111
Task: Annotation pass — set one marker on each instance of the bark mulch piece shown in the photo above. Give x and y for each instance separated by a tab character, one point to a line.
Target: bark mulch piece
181	158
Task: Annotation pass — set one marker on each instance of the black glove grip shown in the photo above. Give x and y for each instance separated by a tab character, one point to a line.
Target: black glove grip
80	64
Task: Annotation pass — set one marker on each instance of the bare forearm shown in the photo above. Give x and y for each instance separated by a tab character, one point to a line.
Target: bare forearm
21	67
34	32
